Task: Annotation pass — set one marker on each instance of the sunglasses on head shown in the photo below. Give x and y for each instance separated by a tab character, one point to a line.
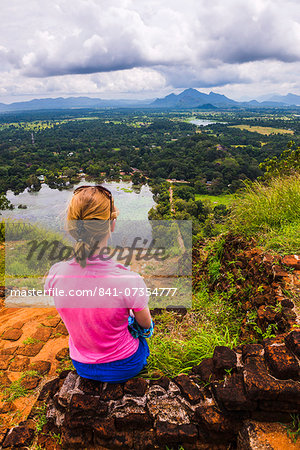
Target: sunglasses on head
101	189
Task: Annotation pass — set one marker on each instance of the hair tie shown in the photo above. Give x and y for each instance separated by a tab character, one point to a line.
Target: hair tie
80	230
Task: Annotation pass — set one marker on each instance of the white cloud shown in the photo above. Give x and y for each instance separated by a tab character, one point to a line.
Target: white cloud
126	45
136	80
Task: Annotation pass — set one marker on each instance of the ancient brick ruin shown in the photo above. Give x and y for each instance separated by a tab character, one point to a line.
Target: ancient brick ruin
214	406
209	407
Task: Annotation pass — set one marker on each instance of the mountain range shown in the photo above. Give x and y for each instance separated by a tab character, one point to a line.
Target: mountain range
189	98
192	98
70	103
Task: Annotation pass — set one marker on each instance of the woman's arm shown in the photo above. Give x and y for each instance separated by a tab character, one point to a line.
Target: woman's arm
143	317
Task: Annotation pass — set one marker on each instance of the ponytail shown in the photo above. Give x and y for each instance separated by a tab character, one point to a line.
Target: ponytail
89	222
81	252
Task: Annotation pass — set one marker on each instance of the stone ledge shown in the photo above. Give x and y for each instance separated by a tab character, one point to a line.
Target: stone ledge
186	410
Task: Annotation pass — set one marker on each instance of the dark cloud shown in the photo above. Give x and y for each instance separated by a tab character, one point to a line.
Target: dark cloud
190	43
124	35
185	76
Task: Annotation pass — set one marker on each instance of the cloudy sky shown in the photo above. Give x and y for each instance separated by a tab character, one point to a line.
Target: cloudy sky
148	48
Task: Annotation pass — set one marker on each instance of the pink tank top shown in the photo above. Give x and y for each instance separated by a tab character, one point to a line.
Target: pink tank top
94	303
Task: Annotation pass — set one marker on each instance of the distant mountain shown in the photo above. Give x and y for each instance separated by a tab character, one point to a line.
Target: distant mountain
272	104
189	98
192	98
168	101
264	104
208	106
52	103
289	99
221	100
69	103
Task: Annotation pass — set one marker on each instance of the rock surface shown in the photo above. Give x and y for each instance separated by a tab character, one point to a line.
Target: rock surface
20	436
182	411
270	436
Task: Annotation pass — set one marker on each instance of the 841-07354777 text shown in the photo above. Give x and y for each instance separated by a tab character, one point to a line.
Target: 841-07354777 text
97	291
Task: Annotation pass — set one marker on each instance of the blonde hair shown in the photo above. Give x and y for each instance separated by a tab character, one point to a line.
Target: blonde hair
89	217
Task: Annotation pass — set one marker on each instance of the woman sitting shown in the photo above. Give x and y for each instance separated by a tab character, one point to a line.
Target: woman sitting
96	312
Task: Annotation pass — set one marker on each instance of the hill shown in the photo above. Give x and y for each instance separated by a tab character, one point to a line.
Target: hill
207	106
290	99
69	103
191	98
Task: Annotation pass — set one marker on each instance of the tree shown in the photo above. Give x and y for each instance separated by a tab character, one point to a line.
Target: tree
5	203
70	173
200	187
184	192
287	163
136	178
33	183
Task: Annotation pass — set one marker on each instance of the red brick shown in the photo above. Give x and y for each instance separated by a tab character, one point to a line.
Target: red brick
12	334
19	364
30	349
42	334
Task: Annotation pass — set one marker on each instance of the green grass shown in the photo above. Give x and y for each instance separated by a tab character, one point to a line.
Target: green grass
263	130
30	340
293	428
284	240
225	199
172	448
14	391
178	345
65	364
215	251
30	373
40	417
271	213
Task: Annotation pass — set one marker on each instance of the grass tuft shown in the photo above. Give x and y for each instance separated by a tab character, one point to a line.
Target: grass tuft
14	391
179	344
30	340
293	429
271	213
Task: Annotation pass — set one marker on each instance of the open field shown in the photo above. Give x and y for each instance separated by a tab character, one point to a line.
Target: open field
263	130
40	125
225	199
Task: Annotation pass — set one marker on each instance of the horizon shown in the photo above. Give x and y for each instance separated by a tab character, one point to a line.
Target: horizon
127	96
133	98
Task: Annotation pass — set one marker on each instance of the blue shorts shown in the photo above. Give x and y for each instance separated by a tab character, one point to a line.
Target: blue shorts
116	371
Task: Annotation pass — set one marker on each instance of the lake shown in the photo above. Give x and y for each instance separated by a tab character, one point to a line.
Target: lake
48	206
203	122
